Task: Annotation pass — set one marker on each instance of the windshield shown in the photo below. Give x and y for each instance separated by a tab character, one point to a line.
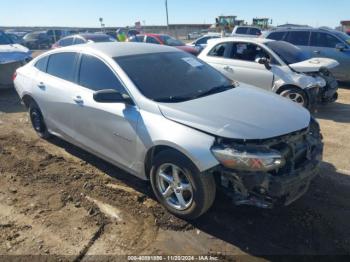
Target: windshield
4	39
173	76
290	54
343	36
101	39
168	40
31	36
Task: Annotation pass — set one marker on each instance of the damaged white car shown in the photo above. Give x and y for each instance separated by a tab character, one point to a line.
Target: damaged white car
274	65
12	56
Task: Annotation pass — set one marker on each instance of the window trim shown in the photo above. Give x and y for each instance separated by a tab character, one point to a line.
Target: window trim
74	66
302	31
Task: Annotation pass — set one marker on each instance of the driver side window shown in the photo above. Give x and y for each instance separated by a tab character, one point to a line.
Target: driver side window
247	52
94	74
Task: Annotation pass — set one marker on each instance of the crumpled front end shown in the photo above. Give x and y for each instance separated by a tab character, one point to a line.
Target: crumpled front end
302	153
328	93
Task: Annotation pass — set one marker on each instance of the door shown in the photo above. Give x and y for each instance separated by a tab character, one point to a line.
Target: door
238	61
108	129
55	89
324	45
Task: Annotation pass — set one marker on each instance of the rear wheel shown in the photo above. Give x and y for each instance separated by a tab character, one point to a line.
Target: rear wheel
295	94
37	121
180	187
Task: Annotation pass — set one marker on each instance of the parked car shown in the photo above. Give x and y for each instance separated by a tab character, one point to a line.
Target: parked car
319	42
83	39
163	40
274	65
57	34
37	40
202	42
246	31
194	35
12	56
15	38
177	122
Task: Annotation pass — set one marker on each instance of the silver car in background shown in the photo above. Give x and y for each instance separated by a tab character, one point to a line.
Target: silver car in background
276	66
319	42
165	116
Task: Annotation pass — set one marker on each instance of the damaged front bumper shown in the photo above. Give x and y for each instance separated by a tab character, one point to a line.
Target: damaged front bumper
328	93
303	152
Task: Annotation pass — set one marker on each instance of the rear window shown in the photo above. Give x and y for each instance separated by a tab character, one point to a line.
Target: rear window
41	64
62	65
242	30
276	35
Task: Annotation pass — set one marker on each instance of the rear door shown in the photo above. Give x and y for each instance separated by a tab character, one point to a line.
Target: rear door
300	38
108	129
324	45
56	89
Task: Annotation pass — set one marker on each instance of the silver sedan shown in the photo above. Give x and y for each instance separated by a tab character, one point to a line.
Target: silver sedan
165	116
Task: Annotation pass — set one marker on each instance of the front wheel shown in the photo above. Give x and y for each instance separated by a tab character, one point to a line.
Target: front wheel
180	187
37	121
297	95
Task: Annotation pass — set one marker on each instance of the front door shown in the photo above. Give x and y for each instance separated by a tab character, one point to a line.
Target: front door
108	129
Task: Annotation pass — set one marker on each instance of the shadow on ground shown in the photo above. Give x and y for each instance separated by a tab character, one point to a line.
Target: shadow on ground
10	101
317	224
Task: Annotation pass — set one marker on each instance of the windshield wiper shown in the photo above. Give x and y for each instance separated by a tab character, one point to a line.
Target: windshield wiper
216	90
172	99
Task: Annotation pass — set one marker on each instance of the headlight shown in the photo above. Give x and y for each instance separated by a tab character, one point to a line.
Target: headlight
247	158
319	82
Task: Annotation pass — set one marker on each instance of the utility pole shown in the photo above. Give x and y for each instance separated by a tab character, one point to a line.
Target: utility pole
167	14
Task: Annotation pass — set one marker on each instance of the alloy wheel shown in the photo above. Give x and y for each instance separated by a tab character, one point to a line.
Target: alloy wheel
174	186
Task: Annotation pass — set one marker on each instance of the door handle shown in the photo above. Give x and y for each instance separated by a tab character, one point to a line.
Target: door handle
317	52
228	68
41	85
78	100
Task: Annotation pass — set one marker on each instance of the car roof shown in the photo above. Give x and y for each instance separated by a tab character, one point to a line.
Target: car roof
119	49
302	28
242	39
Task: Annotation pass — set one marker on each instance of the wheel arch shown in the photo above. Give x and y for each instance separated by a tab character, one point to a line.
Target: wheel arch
156	149
27	99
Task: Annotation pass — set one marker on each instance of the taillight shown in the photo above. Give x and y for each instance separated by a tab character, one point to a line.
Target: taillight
14	76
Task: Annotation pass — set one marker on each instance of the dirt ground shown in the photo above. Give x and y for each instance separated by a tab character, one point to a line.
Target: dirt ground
60	201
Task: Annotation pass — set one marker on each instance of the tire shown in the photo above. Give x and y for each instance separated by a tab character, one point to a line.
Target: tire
295	94
203	188
37	120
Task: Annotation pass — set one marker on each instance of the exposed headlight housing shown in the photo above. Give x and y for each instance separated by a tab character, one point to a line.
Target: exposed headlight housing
319	82
248	158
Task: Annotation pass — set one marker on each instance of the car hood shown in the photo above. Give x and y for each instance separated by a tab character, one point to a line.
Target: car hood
314	65
240	113
13	53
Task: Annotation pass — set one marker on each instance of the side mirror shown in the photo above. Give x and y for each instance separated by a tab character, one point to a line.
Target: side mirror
111	96
340	47
266	62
